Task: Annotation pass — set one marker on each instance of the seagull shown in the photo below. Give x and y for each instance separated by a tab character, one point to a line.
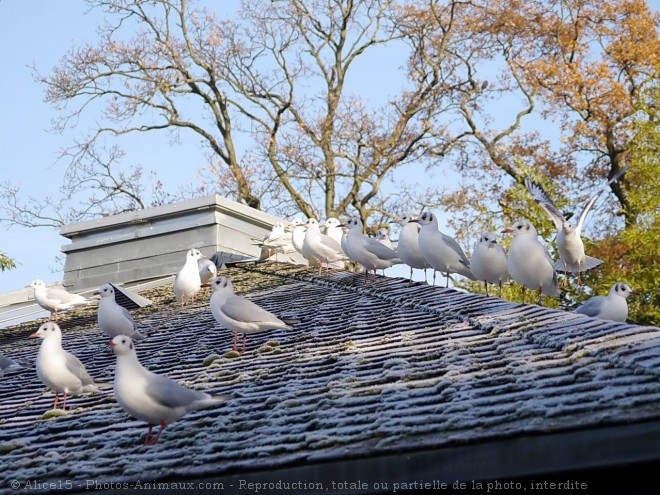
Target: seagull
187	282
321	246
610	307
367	251
278	240
239	314
529	262
489	262
569	242
333	229
112	318
149	397
408	245
297	239
441	251
383	236
59	370
55	300
207	270
7	364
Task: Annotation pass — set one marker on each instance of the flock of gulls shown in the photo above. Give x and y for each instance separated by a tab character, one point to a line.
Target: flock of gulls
158	400
144	395
421	245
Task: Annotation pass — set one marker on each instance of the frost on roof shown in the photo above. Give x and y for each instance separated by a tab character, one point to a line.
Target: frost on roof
369	370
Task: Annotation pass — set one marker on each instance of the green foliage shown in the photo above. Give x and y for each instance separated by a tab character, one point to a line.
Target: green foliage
632	254
6	263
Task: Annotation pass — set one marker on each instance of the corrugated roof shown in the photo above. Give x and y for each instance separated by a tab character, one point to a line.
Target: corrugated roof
369	372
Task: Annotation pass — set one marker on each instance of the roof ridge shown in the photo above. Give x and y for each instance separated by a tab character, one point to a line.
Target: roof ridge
603	340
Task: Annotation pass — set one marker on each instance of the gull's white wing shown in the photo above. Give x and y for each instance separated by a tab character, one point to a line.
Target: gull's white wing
380	250
240	309
451	242
168	393
593	306
544	201
593	200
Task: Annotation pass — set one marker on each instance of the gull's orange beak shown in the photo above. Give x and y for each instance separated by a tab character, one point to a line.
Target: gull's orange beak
35	334
507	231
111	343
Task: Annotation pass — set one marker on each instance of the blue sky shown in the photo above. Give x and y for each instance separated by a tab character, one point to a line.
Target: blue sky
38	33
32	32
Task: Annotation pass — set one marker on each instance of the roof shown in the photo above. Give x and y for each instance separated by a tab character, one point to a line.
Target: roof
466	386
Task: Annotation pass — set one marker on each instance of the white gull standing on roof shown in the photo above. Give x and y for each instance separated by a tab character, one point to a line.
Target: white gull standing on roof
441	251
489	263
278	240
529	262
207	270
613	306
55	300
321	246
333	229
573	259
149	397
59	370
367	251
408	245
239	314
112	318
298	240
187	282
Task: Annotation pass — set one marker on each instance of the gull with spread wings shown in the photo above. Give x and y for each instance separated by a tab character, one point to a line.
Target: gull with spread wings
573	259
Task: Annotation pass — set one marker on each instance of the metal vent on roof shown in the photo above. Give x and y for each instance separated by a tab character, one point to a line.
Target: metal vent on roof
227	259
128	299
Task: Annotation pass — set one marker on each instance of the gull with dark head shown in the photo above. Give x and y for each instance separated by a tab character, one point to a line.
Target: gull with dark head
56	299
187	282
489	262
239	314
59	370
114	319
367	251
613	306
441	251
155	399
529	262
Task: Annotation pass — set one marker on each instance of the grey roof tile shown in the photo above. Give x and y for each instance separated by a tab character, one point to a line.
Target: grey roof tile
369	370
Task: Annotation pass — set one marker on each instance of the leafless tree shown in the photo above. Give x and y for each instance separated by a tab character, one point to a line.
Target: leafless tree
279	75
92	186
